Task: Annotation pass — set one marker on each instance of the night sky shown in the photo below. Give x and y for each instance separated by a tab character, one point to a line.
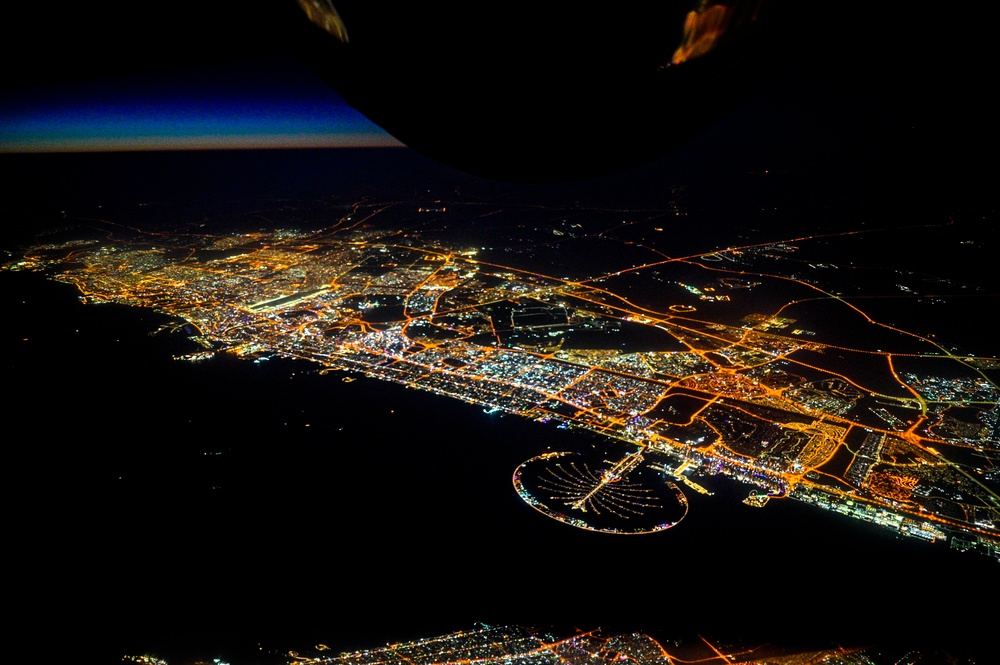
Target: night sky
274	103
507	90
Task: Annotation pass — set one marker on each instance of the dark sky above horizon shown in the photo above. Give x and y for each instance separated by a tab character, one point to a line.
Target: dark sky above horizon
264	103
189	74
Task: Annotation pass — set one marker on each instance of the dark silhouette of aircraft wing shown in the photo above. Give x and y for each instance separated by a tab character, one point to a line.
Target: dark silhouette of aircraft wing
538	90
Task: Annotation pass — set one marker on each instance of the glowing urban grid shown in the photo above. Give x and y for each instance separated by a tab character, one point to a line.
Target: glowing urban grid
897	429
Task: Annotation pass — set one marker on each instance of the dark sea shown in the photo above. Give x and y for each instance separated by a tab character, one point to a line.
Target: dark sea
230	509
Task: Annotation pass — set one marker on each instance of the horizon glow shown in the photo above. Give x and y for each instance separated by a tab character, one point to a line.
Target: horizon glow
234	107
